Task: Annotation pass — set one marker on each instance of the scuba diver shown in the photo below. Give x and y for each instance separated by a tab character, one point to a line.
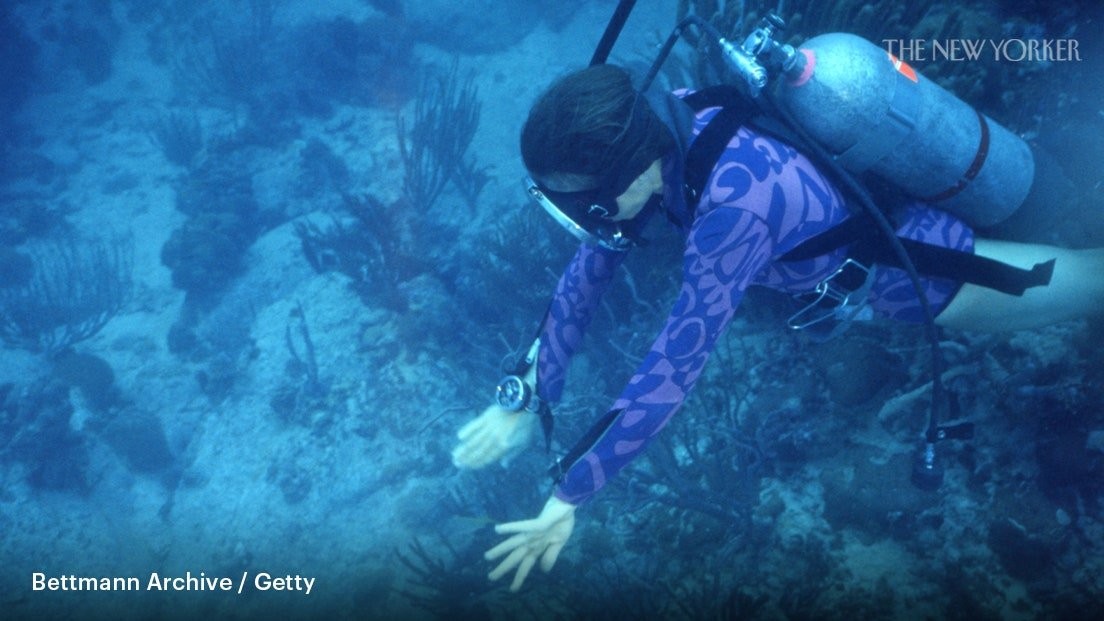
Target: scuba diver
604	158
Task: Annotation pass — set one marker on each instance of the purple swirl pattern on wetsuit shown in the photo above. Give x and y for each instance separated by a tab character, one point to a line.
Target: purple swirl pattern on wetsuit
762	199
725	249
573	304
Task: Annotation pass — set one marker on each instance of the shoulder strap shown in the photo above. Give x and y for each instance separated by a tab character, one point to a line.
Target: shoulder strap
736	110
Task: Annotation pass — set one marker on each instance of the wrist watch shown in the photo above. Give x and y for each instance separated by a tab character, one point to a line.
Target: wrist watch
515	395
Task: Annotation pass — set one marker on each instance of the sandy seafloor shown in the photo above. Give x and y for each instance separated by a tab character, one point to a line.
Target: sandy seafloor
339	497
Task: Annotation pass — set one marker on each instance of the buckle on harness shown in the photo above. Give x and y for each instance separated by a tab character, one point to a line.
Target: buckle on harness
831	300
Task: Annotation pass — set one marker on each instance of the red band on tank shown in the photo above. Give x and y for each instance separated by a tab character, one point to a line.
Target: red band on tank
807	72
903	68
973	170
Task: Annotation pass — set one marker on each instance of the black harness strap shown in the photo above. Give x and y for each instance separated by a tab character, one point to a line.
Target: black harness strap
868	247
706	149
942	262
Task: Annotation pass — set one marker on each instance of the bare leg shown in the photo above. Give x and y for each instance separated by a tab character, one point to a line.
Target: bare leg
1076	290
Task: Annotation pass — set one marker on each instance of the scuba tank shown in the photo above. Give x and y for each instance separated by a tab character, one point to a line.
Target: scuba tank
875	113
871	112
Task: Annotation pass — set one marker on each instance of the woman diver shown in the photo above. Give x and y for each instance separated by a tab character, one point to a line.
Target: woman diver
604	159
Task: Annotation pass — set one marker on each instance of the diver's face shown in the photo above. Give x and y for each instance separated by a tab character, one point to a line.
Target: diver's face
632	200
563	188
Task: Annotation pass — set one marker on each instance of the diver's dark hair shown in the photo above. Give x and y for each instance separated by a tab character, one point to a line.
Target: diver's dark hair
581	125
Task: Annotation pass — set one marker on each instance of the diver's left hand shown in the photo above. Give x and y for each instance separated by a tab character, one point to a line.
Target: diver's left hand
492	436
541	537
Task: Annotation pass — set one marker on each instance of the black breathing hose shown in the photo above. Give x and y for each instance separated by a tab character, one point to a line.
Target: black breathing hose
668	45
613	30
931	434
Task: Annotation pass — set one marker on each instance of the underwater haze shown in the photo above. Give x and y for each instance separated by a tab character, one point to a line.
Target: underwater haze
261	259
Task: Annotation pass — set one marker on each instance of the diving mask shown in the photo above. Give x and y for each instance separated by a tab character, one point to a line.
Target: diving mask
590	214
580	216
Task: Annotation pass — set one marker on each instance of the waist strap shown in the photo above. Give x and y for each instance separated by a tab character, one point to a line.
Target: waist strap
933	261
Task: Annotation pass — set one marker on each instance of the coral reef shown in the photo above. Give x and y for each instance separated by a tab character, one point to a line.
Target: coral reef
231	63
446	587
372	249
89	373
180	137
276	72
301	398
224	219
322	170
513	252
27	215
138	436
75	289
434	146
16	268
479	26
341	61
18	68
35	432
292	478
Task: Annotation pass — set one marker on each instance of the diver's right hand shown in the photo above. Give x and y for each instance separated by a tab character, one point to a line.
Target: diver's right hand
491	436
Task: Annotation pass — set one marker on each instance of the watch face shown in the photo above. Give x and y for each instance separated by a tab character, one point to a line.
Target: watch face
513	393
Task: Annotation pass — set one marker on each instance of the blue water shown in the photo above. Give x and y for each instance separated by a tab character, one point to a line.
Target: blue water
244	311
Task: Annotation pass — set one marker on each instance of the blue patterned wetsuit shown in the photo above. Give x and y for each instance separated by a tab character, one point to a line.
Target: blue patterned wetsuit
761	200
